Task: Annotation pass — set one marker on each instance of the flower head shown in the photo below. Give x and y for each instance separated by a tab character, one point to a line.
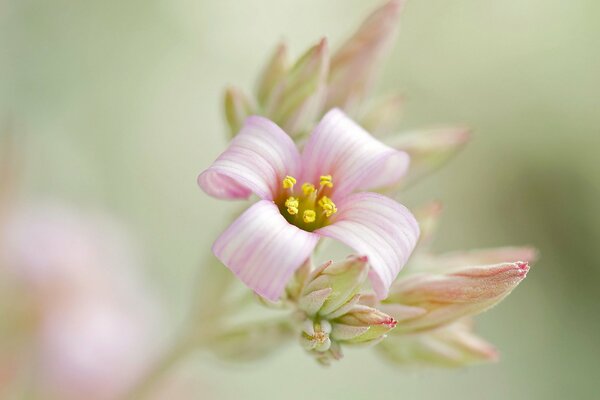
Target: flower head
304	197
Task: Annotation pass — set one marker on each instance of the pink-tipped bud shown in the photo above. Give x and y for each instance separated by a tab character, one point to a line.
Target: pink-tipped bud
362	324
455	294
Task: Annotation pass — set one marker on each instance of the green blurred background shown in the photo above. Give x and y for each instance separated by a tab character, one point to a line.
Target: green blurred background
118	104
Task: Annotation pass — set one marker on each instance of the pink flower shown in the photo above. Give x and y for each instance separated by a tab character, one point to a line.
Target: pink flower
273	237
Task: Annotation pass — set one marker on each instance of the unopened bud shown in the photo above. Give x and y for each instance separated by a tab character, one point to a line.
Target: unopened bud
383	116
300	101
270	81
237	108
355	65
362	325
458	293
334	286
452	345
429	149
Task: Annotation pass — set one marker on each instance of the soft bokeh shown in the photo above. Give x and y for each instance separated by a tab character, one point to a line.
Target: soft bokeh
117	105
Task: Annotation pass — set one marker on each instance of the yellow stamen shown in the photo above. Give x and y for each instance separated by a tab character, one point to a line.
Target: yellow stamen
328	206
326	181
292	205
309	216
308	188
289	182
291	202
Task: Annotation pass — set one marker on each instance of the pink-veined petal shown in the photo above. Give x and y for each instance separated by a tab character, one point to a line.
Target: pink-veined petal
339	147
256	161
379	228
263	250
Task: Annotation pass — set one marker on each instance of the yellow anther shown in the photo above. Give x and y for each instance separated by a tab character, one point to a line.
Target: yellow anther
289	182
326	181
308	188
309	216
328	206
292	205
292	202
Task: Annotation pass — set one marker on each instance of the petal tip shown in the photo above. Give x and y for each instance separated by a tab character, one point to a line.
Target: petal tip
522	268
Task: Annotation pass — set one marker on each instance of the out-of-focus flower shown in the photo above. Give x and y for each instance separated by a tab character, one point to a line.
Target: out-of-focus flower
452	345
329	312
271	239
89	316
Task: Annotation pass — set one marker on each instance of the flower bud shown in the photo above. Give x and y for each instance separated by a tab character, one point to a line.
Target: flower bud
272	77
429	149
452	345
362	324
461	292
428	217
237	108
355	65
297	104
384	116
333	286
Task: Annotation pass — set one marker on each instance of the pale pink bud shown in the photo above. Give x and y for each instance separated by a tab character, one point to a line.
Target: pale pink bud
298	102
383	116
452	345
461	292
238	107
428	217
356	64
429	149
272	76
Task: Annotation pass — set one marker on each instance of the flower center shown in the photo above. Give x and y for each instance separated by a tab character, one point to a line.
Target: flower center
308	208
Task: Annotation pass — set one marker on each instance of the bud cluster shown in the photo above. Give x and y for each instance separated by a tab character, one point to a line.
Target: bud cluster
329	312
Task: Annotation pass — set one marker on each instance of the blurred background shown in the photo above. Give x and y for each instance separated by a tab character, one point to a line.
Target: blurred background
117	105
